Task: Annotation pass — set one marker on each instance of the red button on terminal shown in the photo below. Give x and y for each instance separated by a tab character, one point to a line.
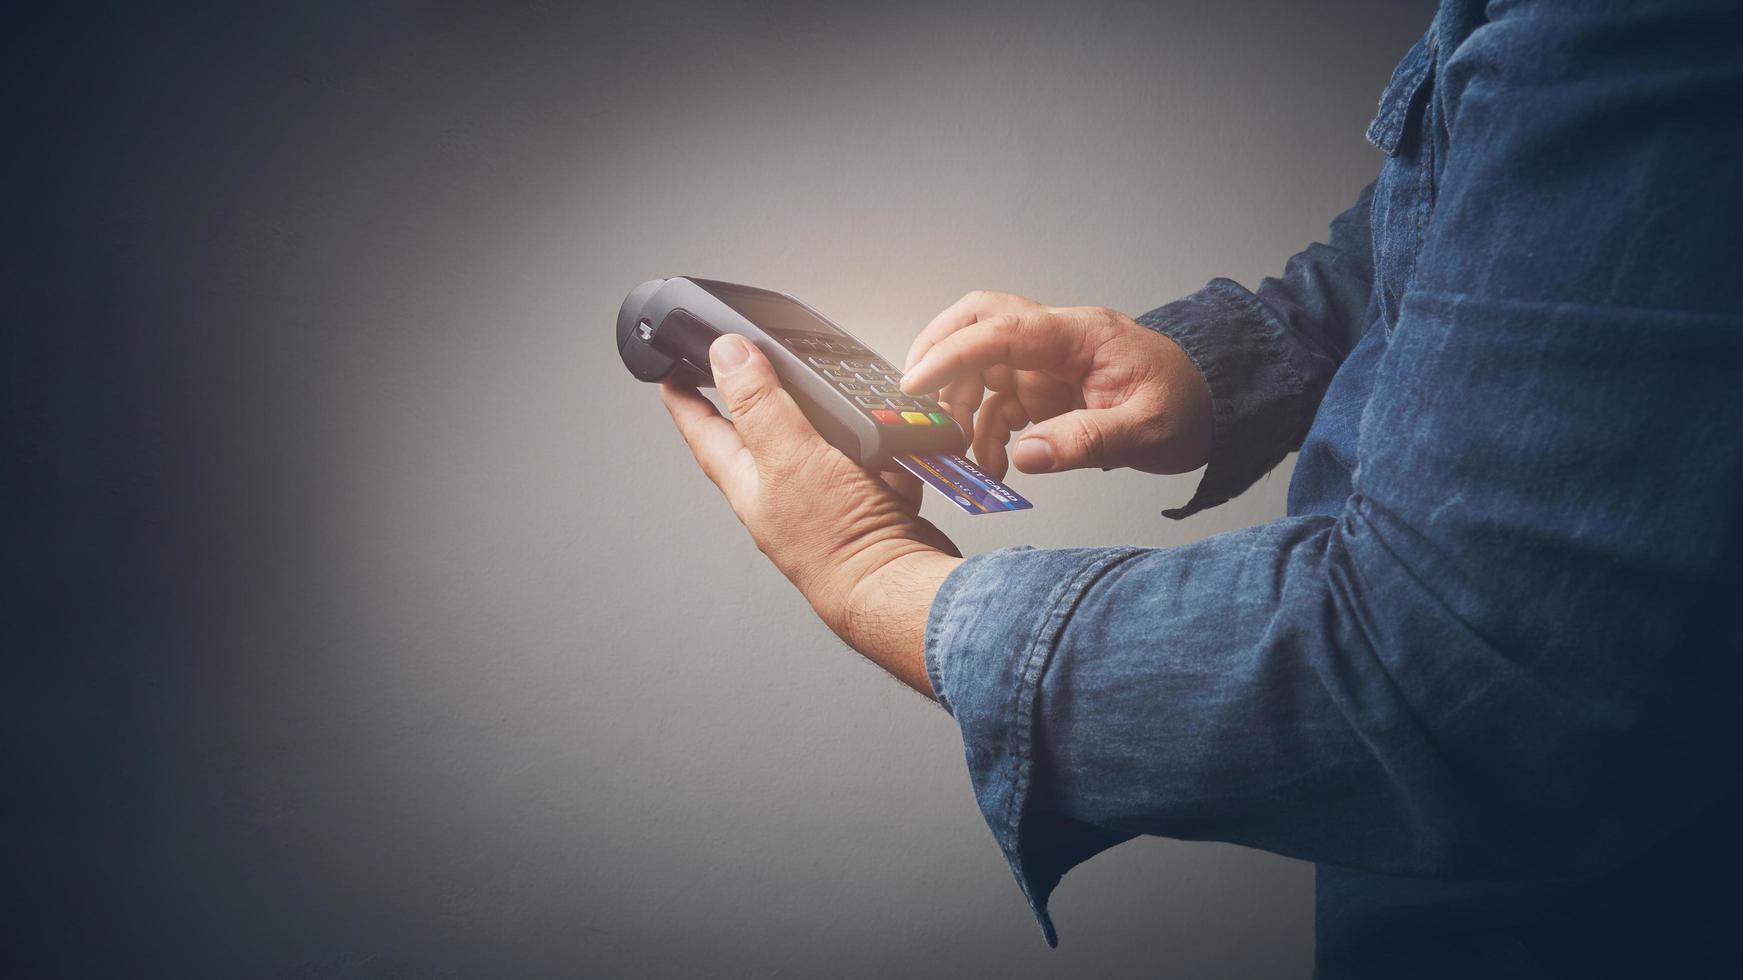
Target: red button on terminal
888	418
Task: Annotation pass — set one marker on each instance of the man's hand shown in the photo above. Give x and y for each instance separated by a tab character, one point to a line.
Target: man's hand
1102	390
852	542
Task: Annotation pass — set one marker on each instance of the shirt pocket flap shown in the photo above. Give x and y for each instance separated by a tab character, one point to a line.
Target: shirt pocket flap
1387	130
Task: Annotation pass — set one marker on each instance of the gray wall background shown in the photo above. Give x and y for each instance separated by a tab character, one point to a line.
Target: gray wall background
370	621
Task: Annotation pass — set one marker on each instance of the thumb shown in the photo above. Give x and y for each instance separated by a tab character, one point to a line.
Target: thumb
767	418
1085	437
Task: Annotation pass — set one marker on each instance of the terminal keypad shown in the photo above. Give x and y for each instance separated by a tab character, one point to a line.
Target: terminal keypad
866	379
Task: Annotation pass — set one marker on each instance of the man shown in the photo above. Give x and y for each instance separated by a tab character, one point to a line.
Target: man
1481	672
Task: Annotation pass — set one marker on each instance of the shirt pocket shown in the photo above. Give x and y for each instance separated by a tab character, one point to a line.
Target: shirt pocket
1404	192
1409	79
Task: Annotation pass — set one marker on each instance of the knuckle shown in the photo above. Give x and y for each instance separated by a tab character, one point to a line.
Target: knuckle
1087	332
1090	320
1090	439
1110	323
996	330
749	398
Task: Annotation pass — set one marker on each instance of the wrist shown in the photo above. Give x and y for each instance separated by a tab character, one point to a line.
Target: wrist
885	612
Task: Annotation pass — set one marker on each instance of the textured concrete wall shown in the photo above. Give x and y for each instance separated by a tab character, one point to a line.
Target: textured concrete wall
373	622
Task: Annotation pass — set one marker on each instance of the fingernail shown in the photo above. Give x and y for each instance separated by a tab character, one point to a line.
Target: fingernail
729	353
908	375
1033	455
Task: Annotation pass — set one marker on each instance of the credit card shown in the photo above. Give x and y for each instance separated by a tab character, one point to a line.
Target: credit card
963	483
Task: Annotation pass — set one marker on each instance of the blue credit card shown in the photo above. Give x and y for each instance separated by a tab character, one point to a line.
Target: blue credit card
964	483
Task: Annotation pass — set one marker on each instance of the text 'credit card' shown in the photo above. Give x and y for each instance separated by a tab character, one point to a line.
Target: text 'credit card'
964	483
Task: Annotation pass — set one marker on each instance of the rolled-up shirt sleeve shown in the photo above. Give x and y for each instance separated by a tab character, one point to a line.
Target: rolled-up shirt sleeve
1336	689
986	671
1267	355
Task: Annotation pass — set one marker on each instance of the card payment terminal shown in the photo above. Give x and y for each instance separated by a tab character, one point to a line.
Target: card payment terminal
849	393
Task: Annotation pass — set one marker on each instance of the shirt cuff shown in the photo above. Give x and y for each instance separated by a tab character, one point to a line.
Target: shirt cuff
986	654
1231	339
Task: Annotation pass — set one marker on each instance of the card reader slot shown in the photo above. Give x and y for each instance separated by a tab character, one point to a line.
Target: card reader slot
682	335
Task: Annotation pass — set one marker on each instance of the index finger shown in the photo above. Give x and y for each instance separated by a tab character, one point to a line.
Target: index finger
973	306
714	441
1034	340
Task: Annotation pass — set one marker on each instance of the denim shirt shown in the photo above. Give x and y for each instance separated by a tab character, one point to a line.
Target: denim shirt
1484	672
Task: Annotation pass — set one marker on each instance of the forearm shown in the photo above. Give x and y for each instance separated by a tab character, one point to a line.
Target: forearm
850	542
885	616
1323	688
